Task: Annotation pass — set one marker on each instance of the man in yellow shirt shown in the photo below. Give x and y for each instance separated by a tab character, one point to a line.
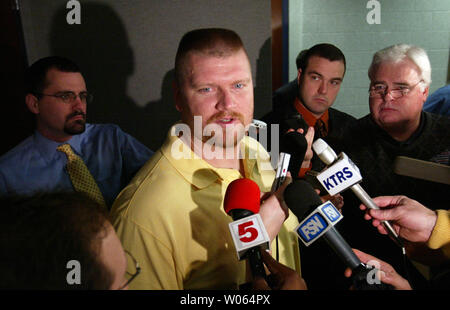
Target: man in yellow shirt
170	217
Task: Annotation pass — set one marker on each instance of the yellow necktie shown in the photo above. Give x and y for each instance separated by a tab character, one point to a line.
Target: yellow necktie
82	179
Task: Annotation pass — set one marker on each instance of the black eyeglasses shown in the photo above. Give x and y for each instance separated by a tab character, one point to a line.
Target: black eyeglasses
70	97
133	269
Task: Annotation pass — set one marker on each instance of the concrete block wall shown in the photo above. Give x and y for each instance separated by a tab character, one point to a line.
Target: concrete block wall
425	23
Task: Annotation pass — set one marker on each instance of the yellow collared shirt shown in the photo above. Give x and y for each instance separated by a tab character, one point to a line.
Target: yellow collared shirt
440	237
171	218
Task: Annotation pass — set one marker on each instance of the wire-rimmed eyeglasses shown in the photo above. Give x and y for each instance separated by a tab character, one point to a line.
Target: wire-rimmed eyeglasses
133	269
381	90
70	97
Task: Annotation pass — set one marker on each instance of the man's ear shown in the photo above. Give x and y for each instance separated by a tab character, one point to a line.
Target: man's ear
299	74
32	103
424	93
177	96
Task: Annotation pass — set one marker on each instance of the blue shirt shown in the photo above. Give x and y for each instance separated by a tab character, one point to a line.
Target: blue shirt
112	156
439	101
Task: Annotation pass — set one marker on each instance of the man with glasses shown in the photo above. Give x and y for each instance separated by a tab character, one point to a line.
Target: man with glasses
65	152
400	76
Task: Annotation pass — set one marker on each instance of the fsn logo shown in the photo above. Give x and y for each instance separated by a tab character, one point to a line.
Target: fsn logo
312	227
337	178
331	212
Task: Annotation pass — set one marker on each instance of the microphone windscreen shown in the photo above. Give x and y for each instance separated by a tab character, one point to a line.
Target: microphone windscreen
301	198
294	143
242	194
295	122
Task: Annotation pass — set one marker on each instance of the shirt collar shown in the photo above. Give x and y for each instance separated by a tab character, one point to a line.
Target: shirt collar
308	116
196	170
47	147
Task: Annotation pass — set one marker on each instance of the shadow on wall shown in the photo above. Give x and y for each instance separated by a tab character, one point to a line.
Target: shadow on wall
100	46
17	121
263	89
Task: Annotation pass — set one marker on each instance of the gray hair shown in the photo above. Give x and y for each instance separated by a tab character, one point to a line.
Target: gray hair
399	52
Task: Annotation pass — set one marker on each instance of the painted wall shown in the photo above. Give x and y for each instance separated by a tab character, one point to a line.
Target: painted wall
126	49
343	23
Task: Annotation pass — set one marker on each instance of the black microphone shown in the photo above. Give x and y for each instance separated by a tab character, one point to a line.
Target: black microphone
294	143
294	121
317	221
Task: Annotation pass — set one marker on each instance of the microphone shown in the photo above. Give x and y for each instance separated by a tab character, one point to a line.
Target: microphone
294	121
301	199
282	169
294	143
342	174
242	202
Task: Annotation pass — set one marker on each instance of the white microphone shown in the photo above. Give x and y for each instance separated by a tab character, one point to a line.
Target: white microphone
341	174
282	169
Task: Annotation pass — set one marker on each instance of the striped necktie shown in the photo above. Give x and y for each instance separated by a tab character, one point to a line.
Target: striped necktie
82	179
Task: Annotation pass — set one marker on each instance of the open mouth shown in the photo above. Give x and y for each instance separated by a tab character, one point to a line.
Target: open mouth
225	120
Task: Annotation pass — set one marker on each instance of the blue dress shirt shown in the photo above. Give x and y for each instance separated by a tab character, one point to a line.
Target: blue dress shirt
439	101
112	156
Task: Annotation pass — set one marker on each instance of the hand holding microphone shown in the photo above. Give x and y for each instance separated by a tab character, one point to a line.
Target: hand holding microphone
319	223
281	277
342	174
274	210
248	230
413	221
386	273
296	140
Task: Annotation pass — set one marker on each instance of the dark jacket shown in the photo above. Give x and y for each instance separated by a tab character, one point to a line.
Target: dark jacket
321	268
374	152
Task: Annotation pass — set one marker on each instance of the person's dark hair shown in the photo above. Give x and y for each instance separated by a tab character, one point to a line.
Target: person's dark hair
39	235
299	61
215	42
35	75
324	50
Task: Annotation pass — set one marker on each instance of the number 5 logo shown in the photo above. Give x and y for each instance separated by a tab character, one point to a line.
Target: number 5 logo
248	232
245	229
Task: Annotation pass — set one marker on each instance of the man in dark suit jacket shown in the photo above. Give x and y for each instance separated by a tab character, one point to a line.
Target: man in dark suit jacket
308	99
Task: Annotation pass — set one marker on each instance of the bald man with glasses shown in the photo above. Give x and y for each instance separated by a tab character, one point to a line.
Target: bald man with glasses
65	152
